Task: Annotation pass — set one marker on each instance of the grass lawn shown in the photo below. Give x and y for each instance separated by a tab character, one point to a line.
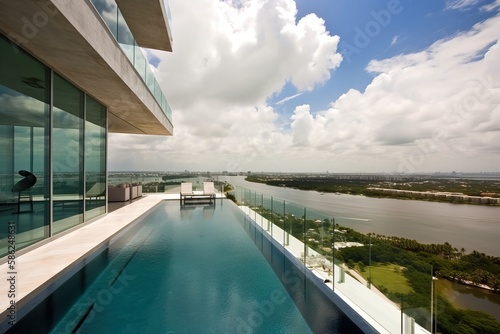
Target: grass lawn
388	275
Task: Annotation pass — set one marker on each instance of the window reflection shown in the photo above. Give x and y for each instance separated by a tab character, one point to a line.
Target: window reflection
25	149
24	110
67	147
95	158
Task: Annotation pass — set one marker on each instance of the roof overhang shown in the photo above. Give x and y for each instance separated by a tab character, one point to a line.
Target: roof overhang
71	38
148	23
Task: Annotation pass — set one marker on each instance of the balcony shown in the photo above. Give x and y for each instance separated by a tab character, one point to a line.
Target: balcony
74	40
141	19
147	22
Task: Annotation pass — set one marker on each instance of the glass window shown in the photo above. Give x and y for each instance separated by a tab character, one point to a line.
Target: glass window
95	158
78	166
67	155
24	129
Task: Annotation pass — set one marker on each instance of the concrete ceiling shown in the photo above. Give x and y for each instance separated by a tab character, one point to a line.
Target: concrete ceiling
148	23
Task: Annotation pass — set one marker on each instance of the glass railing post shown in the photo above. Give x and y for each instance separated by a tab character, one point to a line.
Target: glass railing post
305	239
333	253
272	218
432	299
402	315
262	211
290	230
370	262
254	199
285	243
255	207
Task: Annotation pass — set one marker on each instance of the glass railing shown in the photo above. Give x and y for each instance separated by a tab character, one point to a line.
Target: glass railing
387	286
160	183
114	20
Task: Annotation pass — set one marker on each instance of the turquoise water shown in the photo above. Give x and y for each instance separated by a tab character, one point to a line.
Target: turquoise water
188	270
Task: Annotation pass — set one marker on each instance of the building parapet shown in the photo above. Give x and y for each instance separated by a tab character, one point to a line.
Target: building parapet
125	19
75	41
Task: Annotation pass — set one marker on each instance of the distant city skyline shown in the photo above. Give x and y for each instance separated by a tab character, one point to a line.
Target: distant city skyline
316	86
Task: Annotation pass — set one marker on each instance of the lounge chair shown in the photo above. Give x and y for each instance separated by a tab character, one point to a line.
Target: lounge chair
186	189
97	190
209	189
187	192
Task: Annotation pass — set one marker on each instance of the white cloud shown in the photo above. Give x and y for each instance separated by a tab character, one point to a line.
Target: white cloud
461	4
491	6
429	110
229	57
288	98
464	5
245	54
394	40
433	104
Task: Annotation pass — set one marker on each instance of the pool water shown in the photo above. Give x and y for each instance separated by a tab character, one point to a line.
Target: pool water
189	269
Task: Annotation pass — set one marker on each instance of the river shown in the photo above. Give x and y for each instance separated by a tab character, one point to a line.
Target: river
464	296
473	227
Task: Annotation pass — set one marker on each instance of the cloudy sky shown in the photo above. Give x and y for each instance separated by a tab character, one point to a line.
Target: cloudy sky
322	85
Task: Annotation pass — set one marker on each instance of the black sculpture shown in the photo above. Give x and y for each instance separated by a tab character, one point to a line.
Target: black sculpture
26	183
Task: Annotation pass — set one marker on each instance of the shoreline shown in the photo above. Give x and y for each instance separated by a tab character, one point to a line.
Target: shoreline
470	283
450	279
440	196
400	194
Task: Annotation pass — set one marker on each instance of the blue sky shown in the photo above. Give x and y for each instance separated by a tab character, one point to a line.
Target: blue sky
412	26
315	85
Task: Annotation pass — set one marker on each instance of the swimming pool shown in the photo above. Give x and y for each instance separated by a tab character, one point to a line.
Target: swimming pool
194	269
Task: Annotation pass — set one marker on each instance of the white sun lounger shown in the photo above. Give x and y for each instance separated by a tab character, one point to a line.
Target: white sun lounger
209	189
187	193
186	189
